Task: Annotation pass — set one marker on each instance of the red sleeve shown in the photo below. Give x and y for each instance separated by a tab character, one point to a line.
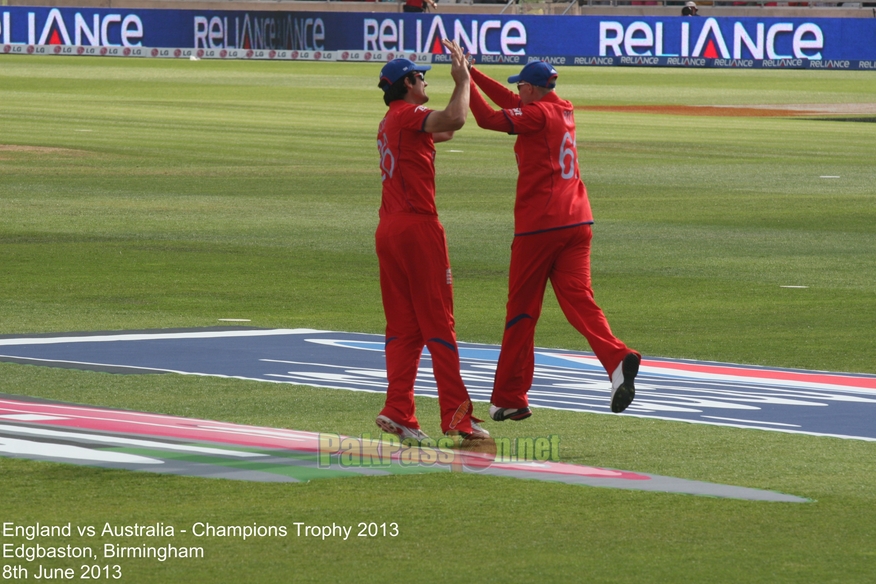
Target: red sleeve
486	116
527	119
514	120
501	95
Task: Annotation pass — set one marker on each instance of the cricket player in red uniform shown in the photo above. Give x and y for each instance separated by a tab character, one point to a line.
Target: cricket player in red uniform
415	279
552	234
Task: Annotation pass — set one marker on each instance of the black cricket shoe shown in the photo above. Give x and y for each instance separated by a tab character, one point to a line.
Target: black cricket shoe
623	390
501	414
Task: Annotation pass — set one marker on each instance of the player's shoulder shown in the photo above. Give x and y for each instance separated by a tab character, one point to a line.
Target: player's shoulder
403	107
407	116
557	109
554	101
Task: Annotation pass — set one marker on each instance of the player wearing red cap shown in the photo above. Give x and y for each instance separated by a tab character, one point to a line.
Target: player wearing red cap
415	279
552	234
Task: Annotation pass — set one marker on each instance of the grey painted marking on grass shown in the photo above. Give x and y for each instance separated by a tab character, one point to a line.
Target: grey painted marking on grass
657	483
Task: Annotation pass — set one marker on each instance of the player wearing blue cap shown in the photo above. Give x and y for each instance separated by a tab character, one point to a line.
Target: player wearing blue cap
415	279
552	234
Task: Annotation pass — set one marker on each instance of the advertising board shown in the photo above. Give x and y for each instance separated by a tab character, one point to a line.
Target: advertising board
746	42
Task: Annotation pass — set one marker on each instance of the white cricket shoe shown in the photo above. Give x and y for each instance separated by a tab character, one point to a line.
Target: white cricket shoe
403	432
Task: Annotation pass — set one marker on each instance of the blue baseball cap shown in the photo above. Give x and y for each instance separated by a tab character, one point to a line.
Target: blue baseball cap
396	69
537	73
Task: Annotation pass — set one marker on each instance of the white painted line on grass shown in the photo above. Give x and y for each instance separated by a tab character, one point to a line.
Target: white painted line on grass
108	338
30	417
752	422
14	446
131	442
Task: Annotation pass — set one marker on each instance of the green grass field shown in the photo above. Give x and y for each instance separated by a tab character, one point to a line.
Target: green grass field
139	194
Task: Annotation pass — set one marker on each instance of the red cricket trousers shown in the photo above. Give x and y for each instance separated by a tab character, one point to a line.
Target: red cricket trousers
417	291
563	257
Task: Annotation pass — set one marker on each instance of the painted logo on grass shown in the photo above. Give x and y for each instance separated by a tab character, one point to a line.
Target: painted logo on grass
782	400
141	441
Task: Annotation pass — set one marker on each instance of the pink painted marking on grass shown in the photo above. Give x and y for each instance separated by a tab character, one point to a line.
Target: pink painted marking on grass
157	425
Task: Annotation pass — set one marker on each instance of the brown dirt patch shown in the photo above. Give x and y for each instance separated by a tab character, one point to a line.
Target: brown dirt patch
695	110
738	111
39	150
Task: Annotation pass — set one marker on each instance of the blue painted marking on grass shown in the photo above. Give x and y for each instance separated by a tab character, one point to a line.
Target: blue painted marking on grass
783	400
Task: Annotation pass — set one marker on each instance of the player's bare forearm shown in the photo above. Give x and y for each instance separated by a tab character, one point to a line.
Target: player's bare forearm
454	115
442	137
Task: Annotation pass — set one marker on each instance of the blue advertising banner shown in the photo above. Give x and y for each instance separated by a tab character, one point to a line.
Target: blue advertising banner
816	43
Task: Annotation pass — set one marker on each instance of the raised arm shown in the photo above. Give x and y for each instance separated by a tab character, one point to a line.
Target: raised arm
442	123
501	95
486	116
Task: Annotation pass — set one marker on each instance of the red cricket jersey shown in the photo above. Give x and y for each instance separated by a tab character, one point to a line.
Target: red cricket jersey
550	193
407	160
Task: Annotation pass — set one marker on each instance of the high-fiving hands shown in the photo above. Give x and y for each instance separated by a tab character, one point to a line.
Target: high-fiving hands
459	66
